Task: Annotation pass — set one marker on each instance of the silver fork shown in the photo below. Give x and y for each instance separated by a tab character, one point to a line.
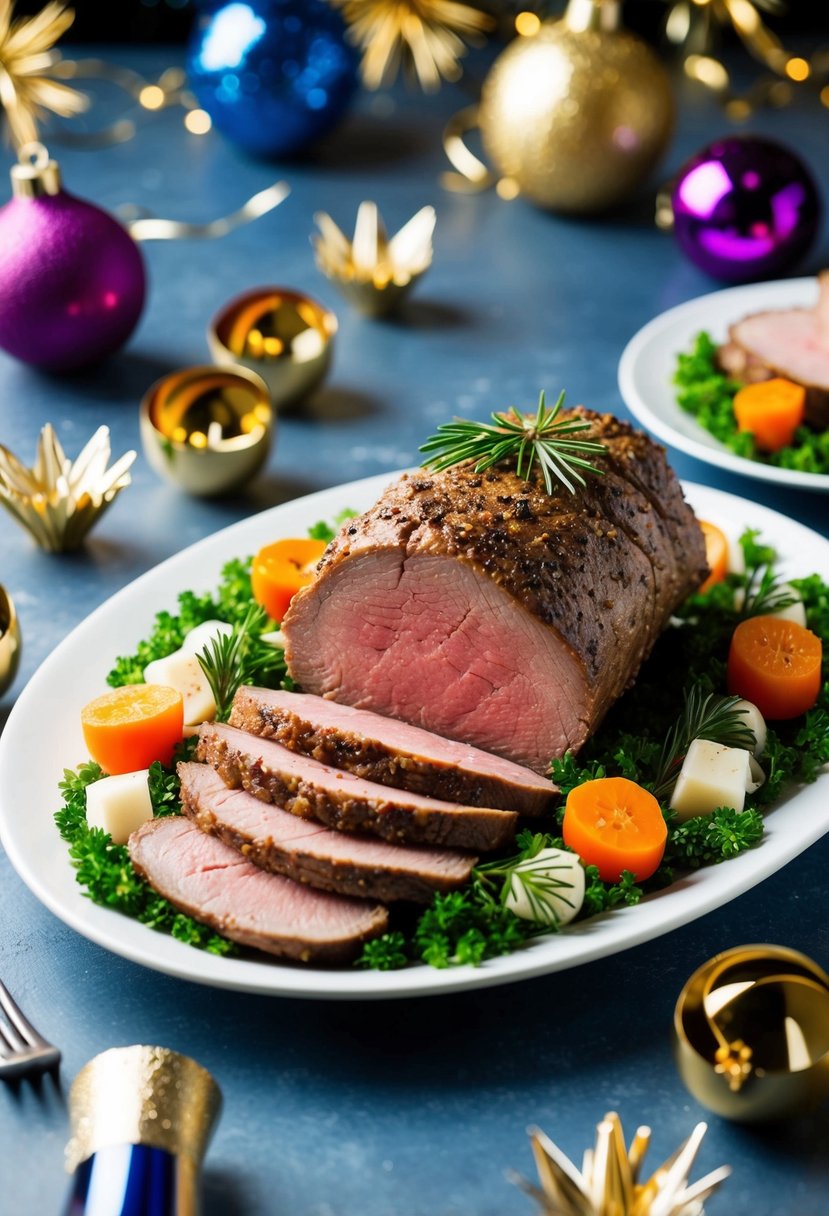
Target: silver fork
22	1049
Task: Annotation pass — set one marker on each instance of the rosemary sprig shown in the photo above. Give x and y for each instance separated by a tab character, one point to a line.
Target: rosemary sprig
237	658
703	717
542	438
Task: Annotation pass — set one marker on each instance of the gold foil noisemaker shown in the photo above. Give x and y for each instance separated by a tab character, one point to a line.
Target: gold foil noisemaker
207	429
282	335
751	1033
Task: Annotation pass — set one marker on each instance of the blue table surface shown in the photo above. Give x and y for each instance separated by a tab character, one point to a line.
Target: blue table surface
411	1108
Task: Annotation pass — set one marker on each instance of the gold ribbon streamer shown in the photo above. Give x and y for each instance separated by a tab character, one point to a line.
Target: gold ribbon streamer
472	174
147	227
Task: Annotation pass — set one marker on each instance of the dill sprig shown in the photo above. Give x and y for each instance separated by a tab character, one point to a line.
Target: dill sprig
543	437
704	716
241	657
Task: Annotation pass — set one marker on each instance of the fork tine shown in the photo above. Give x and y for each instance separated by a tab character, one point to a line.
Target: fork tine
22	1048
26	1032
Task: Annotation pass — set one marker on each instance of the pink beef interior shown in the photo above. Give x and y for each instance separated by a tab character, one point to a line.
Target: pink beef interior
201	873
478	666
790	341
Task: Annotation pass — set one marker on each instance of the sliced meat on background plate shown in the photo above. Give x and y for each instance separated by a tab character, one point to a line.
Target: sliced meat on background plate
792	343
389	751
340	800
480	607
214	883
310	853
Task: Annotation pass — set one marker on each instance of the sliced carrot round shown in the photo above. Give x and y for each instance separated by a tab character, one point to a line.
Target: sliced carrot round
280	569
128	728
716	553
776	664
771	410
615	825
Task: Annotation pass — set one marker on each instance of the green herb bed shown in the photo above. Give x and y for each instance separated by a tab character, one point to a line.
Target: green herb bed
468	926
707	394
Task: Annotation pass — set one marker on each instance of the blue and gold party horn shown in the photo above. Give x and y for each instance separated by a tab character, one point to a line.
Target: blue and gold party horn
141	1120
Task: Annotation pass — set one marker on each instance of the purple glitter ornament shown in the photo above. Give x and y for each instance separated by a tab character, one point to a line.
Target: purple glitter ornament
72	279
745	208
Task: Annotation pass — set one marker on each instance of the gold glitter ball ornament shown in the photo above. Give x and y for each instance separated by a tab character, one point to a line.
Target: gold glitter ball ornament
10	641
577	115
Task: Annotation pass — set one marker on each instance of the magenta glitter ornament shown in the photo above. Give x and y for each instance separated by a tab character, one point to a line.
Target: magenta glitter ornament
72	279
745	208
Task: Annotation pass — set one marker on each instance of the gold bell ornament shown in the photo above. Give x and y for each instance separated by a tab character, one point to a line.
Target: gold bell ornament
574	115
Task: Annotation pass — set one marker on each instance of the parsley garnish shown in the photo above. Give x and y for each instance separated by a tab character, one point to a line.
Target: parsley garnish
709	395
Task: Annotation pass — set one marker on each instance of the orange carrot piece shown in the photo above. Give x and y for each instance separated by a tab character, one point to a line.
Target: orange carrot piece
614	824
776	664
771	410
716	553
280	569
130	727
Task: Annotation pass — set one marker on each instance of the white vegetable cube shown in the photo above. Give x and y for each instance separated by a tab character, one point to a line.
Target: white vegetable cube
711	776
119	804
184	673
201	637
275	638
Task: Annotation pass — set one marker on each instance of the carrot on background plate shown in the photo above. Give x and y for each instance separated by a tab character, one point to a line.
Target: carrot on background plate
615	825
771	410
130	727
776	664
716	553
281	569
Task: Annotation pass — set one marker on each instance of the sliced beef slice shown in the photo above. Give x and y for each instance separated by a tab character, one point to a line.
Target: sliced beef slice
482	608
792	343
340	800
216	885
310	853
390	751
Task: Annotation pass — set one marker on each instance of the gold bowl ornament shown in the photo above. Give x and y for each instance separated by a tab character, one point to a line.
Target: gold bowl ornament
207	429
10	642
283	336
751	1033
574	116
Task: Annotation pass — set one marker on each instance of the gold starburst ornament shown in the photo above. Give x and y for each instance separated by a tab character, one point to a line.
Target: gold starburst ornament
375	272
425	37
27	64
58	500
609	1182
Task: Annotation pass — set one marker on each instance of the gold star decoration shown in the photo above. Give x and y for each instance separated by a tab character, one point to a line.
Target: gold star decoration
374	271
58	499
426	37
608	1184
27	60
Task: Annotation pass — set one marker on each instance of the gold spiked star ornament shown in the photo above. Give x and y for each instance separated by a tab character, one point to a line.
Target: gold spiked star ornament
374	272
27	61
609	1182
58	500
426	37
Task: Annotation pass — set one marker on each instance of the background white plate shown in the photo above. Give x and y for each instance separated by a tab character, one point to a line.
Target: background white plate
648	363
43	736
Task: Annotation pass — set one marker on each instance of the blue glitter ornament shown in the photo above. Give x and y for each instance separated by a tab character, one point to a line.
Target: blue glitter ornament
274	75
